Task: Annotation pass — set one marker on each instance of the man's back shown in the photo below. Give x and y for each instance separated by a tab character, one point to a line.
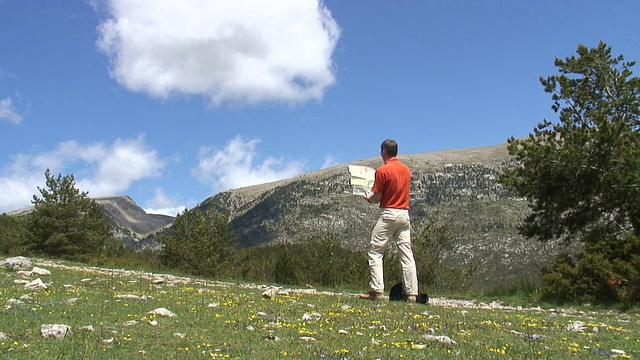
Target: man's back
393	180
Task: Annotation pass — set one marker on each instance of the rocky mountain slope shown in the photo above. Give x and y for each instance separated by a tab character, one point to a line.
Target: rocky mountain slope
453	187
131	223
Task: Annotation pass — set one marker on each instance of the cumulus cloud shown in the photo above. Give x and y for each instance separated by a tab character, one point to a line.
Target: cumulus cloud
244	52
7	112
237	166
100	169
164	204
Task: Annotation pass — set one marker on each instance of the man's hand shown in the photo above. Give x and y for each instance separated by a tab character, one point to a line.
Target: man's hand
373	199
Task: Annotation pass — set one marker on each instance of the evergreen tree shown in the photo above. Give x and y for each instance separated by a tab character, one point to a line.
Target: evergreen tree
581	177
582	174
286	266
65	223
12	235
198	242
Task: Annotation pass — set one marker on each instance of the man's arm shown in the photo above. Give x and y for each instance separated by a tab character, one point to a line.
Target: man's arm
374	199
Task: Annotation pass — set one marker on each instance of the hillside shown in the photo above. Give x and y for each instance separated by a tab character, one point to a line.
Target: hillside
454	187
131	223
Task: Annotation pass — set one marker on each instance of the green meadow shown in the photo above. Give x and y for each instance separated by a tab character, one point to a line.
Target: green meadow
110	315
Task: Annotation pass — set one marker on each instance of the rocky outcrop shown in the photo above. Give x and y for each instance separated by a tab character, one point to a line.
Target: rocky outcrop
131	224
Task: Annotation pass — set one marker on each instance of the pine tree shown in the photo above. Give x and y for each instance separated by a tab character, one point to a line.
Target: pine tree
198	242
65	222
581	177
582	174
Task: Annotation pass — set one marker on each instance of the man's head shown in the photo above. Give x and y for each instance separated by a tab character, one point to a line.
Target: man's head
389	148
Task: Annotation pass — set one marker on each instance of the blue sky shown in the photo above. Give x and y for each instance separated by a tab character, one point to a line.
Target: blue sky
170	102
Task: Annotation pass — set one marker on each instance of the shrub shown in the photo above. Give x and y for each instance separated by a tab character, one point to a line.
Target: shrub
198	242
12	235
608	271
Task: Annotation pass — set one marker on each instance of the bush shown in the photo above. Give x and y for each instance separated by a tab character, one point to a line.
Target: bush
198	242
327	262
286	269
12	235
608	271
432	244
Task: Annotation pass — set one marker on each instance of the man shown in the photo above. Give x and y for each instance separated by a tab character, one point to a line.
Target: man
391	191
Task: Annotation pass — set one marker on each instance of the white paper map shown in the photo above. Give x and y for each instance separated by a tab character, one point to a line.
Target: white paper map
362	178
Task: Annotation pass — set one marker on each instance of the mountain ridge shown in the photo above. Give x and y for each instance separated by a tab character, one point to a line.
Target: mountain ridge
455	187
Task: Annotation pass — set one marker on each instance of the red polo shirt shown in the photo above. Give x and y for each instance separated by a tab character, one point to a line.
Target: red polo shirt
393	180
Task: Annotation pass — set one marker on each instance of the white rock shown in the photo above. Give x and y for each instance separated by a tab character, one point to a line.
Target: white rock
35	284
311	316
127	296
270	293
40	271
16	263
162	312
442	338
576	326
69	302
58	331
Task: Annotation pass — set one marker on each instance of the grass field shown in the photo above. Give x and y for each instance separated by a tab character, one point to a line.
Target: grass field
108	313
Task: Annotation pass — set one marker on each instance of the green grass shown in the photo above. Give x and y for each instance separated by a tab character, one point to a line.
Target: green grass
222	320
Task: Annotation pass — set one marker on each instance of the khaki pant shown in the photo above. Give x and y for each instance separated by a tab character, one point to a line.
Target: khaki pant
392	224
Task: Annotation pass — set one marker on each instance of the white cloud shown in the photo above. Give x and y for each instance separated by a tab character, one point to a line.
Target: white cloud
7	112
119	165
243	52
329	161
99	169
164	204
236	166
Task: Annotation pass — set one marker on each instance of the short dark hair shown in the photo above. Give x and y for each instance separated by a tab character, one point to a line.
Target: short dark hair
391	146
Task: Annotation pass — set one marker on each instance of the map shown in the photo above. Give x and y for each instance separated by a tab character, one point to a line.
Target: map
362	178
